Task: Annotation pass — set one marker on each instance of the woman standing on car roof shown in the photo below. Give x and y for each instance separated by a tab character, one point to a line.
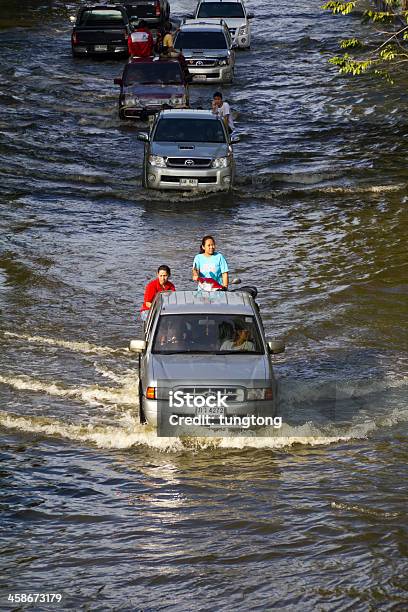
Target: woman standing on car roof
210	263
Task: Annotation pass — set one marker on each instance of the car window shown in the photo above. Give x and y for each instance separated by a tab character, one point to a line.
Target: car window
221	9
204	333
96	17
200	40
153	72
189	130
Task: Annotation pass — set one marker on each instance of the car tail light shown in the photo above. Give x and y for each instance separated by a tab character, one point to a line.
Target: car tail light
157	9
269	393
151	393
74	38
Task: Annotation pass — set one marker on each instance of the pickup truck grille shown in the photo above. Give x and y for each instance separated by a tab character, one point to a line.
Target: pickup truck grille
188	162
233	394
202	62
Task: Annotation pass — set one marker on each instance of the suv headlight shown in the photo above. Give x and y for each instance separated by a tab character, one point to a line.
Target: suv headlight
157	160
220	162
132	101
224	62
176	100
243	30
265	393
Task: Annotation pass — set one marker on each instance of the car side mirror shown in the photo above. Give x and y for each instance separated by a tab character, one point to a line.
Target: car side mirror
235	139
117	81
137	346
143	136
276	346
250	15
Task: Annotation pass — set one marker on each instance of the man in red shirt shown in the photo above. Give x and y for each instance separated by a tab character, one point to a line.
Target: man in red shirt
140	42
159	284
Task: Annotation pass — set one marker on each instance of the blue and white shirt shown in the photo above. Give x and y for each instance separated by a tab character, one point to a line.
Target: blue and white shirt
211	267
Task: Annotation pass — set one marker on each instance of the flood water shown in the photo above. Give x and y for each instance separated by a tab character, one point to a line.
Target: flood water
94	505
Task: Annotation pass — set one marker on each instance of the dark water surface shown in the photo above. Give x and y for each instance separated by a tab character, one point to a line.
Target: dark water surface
95	506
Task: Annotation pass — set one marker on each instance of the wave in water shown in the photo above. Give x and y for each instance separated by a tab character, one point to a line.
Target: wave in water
142	435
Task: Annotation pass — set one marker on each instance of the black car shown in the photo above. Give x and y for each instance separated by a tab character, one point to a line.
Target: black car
101	30
150	84
154	12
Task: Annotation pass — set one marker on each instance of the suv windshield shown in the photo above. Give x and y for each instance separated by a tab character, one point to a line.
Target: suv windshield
221	9
204	333
106	17
189	130
200	40
153	72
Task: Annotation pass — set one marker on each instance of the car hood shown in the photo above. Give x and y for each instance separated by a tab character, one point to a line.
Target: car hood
154	90
205	53
232	22
189	149
209	369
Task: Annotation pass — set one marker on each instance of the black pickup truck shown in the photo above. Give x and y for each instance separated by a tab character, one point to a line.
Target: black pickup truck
101	30
154	12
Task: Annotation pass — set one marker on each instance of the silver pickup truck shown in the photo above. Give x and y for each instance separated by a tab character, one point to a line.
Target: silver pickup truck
204	354
188	149
208	50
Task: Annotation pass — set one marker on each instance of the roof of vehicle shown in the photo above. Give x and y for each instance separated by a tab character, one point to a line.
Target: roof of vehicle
203	302
188	113
154	60
102	7
218	1
205	26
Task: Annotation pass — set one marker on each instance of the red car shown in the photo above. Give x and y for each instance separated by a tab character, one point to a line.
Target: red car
149	85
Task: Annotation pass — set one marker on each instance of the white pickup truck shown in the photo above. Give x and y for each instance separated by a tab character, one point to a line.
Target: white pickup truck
233	12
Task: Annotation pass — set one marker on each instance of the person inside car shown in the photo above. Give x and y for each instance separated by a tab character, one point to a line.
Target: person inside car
140	42
241	341
159	284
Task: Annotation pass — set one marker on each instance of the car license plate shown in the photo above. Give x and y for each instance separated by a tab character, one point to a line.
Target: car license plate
187	182
210	411
200	77
101	47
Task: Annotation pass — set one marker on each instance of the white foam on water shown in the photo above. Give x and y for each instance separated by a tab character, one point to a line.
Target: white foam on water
364	510
81	347
95	395
134	434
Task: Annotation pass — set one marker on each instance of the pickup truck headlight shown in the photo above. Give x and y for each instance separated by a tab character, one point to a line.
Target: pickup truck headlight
265	393
176	101
132	101
243	30
220	162
224	62
157	160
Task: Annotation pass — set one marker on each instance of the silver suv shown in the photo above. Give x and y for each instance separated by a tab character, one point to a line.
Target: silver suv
205	343
188	149
208	50
233	12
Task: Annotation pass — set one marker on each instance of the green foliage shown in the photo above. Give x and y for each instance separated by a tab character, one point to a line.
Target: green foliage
344	8
348	65
351	43
378	17
390	52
